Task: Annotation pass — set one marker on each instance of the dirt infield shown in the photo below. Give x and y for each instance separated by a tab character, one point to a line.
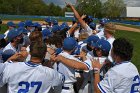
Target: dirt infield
118	27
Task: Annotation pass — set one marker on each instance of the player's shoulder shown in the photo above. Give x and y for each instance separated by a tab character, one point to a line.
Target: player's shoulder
48	70
126	69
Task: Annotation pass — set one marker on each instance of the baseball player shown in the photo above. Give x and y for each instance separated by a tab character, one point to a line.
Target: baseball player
109	31
29	26
100	29
2	45
15	38
49	23
100	51
68	64
85	26
31	76
11	26
124	76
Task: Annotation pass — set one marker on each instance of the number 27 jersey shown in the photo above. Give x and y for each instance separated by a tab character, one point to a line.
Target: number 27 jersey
27	77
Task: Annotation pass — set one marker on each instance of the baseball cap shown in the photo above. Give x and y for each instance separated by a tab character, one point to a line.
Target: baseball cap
73	19
29	23
46	33
21	24
55	28
103	44
92	39
69	43
36	24
2	36
10	23
7	54
22	29
103	21
48	20
92	25
13	33
64	26
55	22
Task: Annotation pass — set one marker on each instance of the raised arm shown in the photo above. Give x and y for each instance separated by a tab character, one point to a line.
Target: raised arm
72	29
80	20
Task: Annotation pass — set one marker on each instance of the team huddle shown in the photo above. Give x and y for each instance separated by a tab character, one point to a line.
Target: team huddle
79	58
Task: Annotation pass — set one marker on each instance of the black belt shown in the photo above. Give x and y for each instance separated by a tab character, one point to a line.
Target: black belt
80	71
89	81
67	88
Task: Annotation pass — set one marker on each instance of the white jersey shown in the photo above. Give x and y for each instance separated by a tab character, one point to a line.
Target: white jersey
76	33
90	55
110	40
6	33
88	30
100	33
81	45
69	73
10	47
27	77
122	78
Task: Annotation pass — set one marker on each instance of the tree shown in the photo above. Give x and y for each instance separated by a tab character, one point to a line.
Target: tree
113	8
90	7
29	7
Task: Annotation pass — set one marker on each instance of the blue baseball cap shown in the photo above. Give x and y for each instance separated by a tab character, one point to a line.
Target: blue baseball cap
55	22
91	39
103	44
48	20
29	23
55	28
22	29
13	33
7	54
69	43
2	36
103	21
64	26
46	33
73	19
36	24
10	23
21	24
92	25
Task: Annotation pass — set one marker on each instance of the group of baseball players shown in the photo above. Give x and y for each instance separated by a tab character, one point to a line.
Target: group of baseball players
79	58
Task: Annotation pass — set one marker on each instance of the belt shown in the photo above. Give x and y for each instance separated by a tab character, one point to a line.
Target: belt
67	88
89	81
79	71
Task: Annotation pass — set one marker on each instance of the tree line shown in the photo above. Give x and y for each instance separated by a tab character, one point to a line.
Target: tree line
96	8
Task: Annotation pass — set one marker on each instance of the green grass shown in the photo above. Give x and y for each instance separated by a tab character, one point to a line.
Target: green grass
3	28
134	39
132	36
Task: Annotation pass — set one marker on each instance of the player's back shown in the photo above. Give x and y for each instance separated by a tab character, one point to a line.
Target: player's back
28	77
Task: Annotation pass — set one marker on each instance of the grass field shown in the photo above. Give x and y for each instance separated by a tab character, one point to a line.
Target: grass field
134	37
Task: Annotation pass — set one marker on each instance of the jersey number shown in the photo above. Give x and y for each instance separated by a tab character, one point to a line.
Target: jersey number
135	85
27	85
